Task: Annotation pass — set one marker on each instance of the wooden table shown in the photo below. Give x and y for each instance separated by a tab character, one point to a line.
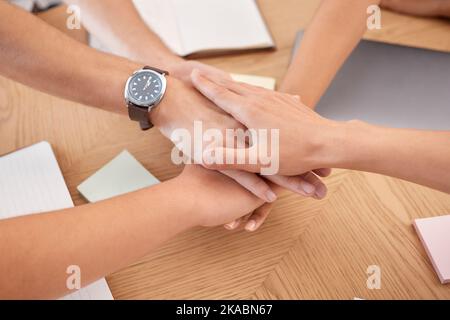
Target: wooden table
307	249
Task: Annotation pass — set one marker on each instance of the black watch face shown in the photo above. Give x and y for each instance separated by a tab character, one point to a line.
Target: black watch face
145	88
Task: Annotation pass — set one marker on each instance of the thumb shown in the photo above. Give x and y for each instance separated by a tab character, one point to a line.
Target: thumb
232	159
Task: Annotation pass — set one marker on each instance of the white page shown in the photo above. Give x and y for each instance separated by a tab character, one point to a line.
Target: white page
221	25
190	26
31	182
159	15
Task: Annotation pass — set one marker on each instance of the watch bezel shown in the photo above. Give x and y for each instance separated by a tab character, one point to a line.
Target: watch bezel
129	98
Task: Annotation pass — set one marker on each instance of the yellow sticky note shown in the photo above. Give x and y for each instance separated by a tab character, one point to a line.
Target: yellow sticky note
258	81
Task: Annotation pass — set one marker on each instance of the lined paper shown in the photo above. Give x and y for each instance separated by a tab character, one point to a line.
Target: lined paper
31	182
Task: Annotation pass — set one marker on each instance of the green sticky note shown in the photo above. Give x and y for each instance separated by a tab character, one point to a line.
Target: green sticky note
121	175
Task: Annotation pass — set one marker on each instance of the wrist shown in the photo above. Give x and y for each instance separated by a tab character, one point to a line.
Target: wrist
339	143
172	63
191	213
181	209
162	116
149	50
167	62
443	9
110	76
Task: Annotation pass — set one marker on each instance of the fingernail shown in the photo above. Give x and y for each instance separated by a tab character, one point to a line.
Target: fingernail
321	191
231	225
271	196
307	187
251	226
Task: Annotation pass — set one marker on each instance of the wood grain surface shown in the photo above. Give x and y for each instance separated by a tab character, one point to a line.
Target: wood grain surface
308	249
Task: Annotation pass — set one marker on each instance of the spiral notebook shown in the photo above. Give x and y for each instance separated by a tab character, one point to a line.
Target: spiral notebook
31	182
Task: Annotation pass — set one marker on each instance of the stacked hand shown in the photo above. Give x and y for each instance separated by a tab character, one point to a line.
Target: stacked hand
302	131
196	108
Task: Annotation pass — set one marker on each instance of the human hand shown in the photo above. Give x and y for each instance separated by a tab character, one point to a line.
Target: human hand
217	198
303	133
182	70
183	106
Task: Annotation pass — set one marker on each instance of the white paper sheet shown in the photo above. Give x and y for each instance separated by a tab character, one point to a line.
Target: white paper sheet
30	183
187	26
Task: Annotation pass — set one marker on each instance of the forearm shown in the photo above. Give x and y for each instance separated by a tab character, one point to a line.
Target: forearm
40	56
118	25
334	32
417	156
99	238
444	9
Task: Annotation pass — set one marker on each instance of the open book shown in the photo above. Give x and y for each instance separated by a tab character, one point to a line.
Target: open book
206	26
31	183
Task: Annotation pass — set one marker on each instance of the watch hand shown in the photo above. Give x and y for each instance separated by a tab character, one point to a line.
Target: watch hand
147	84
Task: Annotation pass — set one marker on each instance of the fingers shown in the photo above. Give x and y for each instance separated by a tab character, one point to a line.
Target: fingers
320	188
258	217
225	99
236	223
231	159
245	89
252	221
211	71
308	184
253	183
297	184
239	88
325	172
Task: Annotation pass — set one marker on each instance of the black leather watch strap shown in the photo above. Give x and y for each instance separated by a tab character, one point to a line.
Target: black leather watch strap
156	70
141	114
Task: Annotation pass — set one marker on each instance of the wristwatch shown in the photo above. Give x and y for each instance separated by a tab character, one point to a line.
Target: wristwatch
144	91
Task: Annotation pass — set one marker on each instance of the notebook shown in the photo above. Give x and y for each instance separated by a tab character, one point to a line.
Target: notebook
30	183
435	236
206	26
121	175
391	85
